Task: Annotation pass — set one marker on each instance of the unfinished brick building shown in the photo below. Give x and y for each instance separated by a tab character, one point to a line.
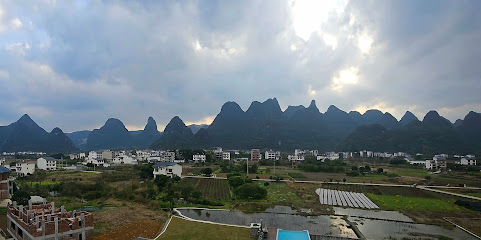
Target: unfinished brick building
44	222
6	183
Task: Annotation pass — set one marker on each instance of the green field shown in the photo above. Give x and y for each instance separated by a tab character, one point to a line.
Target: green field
390	202
189	230
210	188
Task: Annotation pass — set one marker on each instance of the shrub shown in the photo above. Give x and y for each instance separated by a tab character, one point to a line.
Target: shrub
250	191
236	181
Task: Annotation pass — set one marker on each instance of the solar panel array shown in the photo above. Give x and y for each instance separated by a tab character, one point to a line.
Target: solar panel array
345	199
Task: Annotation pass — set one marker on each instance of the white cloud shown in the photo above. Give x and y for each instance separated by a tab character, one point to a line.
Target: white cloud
16	24
19	48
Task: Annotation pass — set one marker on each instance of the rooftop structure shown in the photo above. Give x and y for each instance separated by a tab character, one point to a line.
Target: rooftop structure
44	221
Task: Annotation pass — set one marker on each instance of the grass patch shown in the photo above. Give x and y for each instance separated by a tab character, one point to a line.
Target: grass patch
297	175
281	193
390	202
183	229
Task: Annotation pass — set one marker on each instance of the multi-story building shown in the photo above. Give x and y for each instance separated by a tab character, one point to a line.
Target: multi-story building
198	158
168	157
6	184
168	169
107	155
295	157
25	168
272	155
255	155
226	156
47	163
43	221
218	154
468	161
437	164
124	159
96	161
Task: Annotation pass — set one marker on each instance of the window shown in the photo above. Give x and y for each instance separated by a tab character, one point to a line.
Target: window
12	225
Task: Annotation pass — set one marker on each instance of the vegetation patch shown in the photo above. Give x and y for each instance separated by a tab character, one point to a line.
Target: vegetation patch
390	202
182	229
217	189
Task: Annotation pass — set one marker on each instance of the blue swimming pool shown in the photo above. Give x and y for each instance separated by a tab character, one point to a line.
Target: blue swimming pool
292	235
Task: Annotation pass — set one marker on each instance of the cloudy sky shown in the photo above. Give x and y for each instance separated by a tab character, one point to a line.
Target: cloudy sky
74	64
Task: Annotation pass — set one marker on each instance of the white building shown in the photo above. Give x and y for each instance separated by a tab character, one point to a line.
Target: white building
169	169
168	157
226	156
96	161
468	161
272	155
198	158
143	155
94	155
154	159
436	164
124	160
218	154
295	157
25	168
47	163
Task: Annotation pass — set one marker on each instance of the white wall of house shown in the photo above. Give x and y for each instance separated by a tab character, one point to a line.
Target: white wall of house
47	164
170	171
124	160
468	161
25	168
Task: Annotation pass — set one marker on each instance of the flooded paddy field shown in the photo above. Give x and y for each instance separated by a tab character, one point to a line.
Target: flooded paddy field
372	224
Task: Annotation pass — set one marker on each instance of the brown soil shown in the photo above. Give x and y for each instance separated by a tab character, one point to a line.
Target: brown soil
145	228
105	222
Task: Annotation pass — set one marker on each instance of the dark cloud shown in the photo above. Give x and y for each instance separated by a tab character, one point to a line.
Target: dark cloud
73	64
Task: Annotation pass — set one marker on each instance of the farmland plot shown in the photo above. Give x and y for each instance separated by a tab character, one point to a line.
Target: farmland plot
210	188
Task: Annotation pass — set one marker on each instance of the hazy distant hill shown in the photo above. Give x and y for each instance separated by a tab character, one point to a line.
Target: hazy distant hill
196	127
114	135
26	135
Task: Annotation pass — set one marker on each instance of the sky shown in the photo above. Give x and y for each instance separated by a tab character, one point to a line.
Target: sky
74	64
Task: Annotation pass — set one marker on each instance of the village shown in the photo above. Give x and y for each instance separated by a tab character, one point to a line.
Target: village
90	187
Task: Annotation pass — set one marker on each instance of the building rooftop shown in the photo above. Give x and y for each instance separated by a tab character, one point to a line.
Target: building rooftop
4	169
164	164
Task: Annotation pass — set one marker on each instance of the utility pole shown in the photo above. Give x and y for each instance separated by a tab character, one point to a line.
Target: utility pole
247	167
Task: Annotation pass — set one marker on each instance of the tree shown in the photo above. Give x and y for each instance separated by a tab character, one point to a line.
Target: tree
236	181
427	177
344	180
251	191
380	170
367	168
206	171
253	168
161	181
266	184
354	168
21	197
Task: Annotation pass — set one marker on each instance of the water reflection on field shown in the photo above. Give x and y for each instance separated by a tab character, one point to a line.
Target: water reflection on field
319	225
377	214
378	229
286	218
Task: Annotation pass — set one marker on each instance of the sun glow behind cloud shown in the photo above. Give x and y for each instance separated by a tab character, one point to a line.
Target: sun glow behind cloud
345	77
309	15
